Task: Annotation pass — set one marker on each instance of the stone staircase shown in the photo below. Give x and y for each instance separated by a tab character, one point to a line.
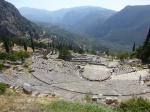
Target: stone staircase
69	65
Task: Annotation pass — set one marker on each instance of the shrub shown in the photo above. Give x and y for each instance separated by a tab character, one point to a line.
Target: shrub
23	54
122	55
44	57
80	51
3	88
133	55
13	56
3	55
134	105
93	52
1	66
18	55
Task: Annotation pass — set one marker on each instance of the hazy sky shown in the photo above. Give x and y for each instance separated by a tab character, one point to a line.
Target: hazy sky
59	4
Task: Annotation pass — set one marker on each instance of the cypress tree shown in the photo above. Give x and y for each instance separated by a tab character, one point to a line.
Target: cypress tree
60	47
147	38
133	47
48	45
70	47
6	46
143	51
12	41
32	44
53	45
25	46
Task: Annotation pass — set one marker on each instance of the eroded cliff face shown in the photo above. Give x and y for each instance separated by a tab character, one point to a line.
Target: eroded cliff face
12	23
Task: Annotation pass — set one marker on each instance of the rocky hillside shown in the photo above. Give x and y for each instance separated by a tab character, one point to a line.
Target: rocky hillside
12	23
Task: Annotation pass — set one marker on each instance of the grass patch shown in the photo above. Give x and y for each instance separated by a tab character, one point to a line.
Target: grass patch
26	65
28	62
17	101
18	104
88	97
1	66
3	88
64	106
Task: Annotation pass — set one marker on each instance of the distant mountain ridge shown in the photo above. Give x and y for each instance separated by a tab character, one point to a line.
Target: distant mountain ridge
12	23
77	19
124	27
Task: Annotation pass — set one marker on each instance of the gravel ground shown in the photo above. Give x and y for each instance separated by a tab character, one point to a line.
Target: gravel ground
96	72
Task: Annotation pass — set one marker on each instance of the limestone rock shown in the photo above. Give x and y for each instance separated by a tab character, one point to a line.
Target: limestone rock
35	93
20	69
7	65
12	87
100	96
25	65
111	101
18	63
27	90
43	95
94	98
26	84
31	70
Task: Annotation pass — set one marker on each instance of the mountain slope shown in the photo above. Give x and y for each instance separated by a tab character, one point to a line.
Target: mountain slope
85	19
13	24
60	35
77	19
36	14
129	25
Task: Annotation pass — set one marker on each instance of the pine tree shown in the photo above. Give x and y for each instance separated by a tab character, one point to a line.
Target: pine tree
32	44
64	54
133	47
25	46
12	41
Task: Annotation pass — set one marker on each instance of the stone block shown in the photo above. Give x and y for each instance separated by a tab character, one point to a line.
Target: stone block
53	95
27	90
100	96
109	100
94	98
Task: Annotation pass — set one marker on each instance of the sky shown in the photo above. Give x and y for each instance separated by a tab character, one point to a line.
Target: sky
52	5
